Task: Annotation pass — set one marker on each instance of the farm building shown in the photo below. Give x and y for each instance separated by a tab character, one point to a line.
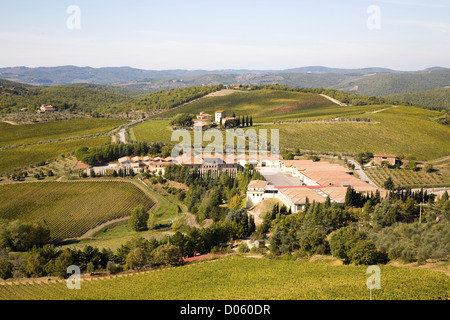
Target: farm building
47	108
381	157
306	179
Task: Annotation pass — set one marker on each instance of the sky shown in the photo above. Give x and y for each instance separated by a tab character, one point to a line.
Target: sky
212	35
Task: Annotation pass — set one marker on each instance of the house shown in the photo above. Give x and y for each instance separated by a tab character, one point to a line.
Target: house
47	108
220	114
203	116
255	192
381	157
158	165
125	162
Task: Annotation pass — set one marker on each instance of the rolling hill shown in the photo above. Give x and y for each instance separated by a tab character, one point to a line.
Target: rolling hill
433	99
306	123
372	81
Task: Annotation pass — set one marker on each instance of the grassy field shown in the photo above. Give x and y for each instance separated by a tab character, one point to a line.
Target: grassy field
70	208
29	155
232	278
33	133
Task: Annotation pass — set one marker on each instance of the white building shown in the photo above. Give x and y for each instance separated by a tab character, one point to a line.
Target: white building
220	114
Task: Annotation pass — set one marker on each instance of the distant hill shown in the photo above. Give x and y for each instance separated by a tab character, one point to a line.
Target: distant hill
116	85
375	81
395	83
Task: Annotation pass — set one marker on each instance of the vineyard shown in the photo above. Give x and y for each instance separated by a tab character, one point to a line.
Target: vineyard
231	278
152	131
270	105
398	130
30	155
70	208
407	178
34	133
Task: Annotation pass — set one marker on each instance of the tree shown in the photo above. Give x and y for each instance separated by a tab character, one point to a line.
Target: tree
151	221
137	258
343	240
235	202
364	252
62	262
139	218
428	167
182	120
444	196
251	121
412	165
389	184
6	269
22	236
166	254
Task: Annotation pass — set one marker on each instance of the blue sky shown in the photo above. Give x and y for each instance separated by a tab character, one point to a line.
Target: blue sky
209	34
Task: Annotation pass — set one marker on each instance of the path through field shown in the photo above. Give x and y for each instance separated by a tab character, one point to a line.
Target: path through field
334	100
376	111
122	136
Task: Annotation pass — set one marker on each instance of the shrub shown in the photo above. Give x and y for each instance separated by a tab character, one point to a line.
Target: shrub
243	247
364	252
113	267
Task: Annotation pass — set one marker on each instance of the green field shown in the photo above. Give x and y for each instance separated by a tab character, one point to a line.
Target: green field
33	133
30	155
70	208
244	278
